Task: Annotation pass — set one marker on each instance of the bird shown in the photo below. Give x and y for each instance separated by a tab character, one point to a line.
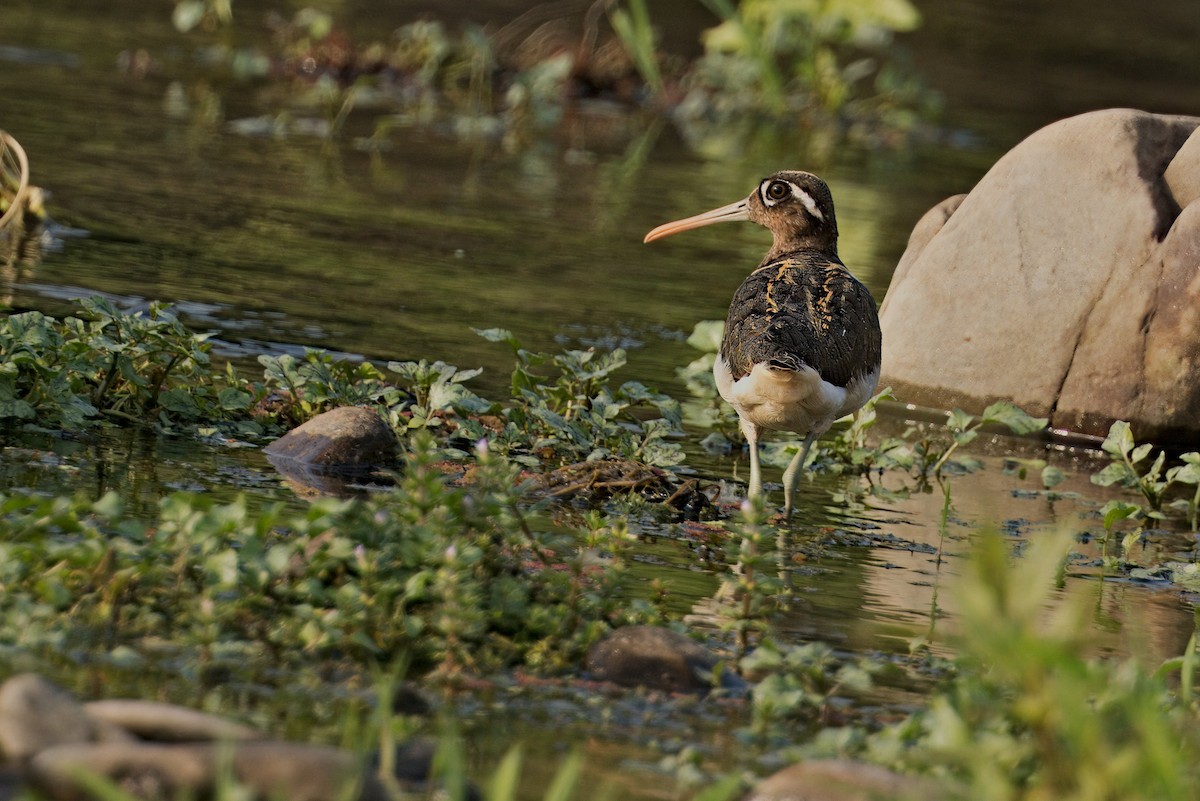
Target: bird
802	343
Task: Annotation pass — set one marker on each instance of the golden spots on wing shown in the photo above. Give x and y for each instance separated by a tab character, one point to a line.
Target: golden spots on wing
823	315
785	275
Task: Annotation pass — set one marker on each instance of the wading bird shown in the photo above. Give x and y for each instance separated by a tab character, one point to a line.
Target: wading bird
802	342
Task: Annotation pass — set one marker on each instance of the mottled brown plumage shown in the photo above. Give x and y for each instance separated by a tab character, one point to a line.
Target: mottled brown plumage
802	342
803	309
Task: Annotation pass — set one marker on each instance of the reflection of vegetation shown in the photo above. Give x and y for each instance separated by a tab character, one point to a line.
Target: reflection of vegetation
833	66
814	64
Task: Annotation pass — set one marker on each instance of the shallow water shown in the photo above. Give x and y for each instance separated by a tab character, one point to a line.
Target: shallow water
280	242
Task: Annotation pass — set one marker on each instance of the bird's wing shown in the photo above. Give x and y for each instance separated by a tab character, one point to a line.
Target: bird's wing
803	309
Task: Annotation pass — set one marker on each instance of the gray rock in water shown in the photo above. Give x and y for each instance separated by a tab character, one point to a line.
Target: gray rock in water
161	722
843	780
652	657
1066	281
153	771
348	438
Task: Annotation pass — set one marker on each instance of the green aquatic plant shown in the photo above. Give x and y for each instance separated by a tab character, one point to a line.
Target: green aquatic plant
755	586
933	450
1030	715
318	382
463	579
833	66
570	413
190	14
1129	467
706	409
107	364
795	684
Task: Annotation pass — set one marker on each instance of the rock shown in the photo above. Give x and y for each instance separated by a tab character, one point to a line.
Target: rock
1062	282
152	771
349	439
1183	173
142	770
302	772
652	657
160	722
843	780
36	714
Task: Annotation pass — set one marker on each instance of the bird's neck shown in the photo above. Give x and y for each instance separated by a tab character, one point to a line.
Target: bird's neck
790	244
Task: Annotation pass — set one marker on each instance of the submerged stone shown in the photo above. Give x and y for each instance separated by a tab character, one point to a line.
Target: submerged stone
1066	281
347	441
653	657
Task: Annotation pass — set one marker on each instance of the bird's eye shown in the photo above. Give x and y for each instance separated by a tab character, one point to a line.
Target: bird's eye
778	190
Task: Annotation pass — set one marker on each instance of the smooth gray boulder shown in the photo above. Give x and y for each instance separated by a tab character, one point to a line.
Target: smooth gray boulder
1065	281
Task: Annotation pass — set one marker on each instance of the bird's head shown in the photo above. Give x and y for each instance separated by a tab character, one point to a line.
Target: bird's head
795	206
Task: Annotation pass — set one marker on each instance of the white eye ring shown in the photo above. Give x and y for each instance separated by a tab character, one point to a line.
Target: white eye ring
769	185
797	193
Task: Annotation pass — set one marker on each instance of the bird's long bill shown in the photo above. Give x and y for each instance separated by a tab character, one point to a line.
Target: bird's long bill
734	211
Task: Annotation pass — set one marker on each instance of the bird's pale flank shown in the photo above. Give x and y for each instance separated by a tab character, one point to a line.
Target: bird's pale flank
802	341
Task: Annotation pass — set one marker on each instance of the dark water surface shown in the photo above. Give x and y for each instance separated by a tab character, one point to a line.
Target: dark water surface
279	242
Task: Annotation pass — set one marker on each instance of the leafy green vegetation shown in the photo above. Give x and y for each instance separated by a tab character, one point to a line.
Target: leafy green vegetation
108	364
1130	469
467	577
459	578
1030	715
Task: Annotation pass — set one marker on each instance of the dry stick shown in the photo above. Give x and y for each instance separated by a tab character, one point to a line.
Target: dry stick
9	144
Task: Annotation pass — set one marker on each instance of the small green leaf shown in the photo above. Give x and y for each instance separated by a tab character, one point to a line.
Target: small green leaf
1114	473
1140	452
1014	418
958	420
706	336
1052	476
1117	510
1119	441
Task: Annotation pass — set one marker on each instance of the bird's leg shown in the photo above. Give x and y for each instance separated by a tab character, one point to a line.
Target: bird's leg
751	432
793	472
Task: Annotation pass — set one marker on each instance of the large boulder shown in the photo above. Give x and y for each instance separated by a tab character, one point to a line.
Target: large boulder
1067	281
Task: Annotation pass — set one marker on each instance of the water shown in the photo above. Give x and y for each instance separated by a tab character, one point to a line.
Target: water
280	242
